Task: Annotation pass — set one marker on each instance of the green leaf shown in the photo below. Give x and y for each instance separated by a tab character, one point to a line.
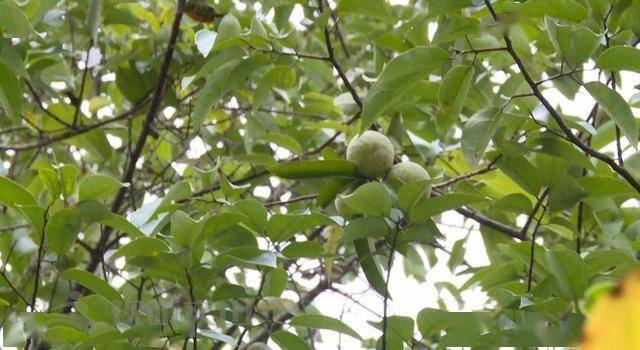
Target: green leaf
98	187
254	211
477	133
92	212
289	341
9	56
324	322
565	193
10	92
369	8
275	283
284	141
229	291
306	249
13	194
330	190
457	254
228	29
93	283
94	17
314	168
570	271
397	77
62	229
370	267
429	207
281	227
68	175
97	309
364	227
616	108
453	92
620	58
369	199
270	80
143	246
184	229
215	87
14	21
606	186
432	321
576	44
411	193
564	9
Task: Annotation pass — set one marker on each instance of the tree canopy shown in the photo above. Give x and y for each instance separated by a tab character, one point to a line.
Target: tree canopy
174	173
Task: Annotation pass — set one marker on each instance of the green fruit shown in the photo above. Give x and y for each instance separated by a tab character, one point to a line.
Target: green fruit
408	172
263	306
258	346
372	152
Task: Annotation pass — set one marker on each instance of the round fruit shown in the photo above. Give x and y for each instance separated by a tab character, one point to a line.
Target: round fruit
258	346
372	152
408	172
263	306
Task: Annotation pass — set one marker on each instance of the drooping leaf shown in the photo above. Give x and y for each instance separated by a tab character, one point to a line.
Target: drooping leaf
397	77
616	108
324	322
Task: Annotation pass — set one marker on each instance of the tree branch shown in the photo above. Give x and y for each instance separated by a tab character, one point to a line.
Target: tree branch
557	117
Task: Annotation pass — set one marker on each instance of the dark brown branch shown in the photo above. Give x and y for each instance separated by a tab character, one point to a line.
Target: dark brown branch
38	100
557	117
488	168
78	131
336	64
156	101
534	211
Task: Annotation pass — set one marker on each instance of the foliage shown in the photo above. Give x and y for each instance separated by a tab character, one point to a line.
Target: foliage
170	169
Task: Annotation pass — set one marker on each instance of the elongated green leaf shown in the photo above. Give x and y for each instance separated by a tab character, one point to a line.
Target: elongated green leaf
10	94
619	58
94	18
616	108
62	229
143	246
570	271
365	227
371	269
216	86
453	92
314	168
324	322
436	205
13	194
93	283
564	9
289	341
397	77
477	132
374	8
281	227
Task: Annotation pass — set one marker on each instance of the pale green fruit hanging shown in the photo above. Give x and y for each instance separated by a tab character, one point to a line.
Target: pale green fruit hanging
408	172
372	152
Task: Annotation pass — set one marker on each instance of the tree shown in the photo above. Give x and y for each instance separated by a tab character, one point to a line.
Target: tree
170	166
